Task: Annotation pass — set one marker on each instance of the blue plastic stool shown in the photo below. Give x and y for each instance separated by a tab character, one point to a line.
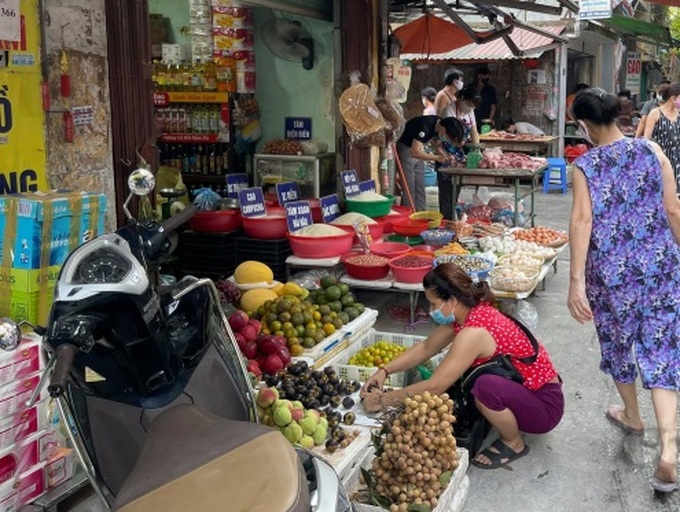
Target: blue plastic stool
550	178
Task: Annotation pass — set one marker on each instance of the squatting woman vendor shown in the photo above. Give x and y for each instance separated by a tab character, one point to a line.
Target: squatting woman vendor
476	331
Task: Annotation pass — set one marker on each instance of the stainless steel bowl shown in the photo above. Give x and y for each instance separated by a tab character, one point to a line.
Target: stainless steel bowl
230	203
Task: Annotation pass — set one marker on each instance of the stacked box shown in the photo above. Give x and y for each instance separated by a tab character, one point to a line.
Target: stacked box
272	253
37	232
33	456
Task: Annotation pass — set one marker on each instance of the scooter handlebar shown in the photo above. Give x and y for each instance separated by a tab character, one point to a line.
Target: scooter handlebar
64	354
178	219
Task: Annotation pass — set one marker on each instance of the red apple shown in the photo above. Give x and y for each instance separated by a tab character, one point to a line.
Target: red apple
249	332
250	350
268	346
284	355
272	364
240	340
281	341
254	368
256	323
238	320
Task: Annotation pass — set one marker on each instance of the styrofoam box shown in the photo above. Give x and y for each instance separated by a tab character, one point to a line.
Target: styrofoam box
22	361
335	344
362	373
451	500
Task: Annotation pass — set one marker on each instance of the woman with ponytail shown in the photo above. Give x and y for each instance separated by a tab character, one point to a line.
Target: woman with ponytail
475	331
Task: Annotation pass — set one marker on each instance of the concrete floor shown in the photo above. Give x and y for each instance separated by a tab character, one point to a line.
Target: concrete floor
585	464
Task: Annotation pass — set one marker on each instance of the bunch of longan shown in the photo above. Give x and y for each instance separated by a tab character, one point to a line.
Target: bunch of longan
418	453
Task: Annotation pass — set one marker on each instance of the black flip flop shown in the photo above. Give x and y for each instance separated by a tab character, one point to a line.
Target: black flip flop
496	458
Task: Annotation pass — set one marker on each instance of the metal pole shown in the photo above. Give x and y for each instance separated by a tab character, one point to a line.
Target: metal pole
561	70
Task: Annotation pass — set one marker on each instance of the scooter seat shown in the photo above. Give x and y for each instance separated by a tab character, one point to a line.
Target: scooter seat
195	460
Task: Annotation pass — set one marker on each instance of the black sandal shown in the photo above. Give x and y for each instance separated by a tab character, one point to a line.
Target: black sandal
497	457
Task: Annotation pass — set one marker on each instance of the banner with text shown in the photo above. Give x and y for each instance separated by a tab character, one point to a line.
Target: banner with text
22	136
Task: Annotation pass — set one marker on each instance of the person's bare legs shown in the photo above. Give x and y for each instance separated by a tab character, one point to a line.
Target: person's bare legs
505	422
665	408
630	413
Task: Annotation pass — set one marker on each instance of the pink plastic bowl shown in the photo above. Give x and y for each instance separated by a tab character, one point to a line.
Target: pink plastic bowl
410	274
269	227
320	246
390	249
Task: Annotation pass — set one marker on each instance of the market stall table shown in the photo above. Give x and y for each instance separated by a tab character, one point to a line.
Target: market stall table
501	177
311	263
535	145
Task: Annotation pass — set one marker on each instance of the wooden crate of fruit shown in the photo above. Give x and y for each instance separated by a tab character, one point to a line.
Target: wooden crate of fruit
366	342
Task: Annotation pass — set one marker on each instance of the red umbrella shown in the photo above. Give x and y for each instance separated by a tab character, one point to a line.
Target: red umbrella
429	34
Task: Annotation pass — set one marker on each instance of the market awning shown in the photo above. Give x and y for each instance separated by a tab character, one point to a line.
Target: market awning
639	28
531	44
430	34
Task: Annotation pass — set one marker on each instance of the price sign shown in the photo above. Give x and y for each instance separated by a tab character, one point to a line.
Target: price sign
252	202
236	183
367	186
350	183
633	72
287	192
298	215
330	208
10	20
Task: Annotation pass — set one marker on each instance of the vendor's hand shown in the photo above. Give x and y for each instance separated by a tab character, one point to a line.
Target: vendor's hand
578	304
372	401
442	159
374	382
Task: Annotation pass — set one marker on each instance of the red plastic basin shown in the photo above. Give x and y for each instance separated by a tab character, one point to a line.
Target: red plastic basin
320	246
365	272
410	274
216	222
267	227
389	249
409	227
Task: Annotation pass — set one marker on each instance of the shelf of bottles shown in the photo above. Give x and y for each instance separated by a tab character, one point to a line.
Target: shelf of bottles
192	112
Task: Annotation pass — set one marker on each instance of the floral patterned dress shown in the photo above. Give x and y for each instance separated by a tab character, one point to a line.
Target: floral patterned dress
632	278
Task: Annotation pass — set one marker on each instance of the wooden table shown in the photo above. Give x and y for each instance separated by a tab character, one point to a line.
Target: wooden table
536	145
501	178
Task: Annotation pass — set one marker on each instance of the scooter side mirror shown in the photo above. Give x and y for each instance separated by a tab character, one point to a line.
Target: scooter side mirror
10	334
141	182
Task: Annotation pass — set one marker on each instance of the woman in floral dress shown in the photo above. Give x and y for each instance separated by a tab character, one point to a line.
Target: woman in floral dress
625	255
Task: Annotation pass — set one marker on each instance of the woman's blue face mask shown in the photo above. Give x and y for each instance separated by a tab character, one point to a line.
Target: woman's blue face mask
440	318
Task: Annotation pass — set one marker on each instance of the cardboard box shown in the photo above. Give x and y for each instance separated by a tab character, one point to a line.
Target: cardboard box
23	424
43	228
15	394
27	294
35	481
21	457
21	362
